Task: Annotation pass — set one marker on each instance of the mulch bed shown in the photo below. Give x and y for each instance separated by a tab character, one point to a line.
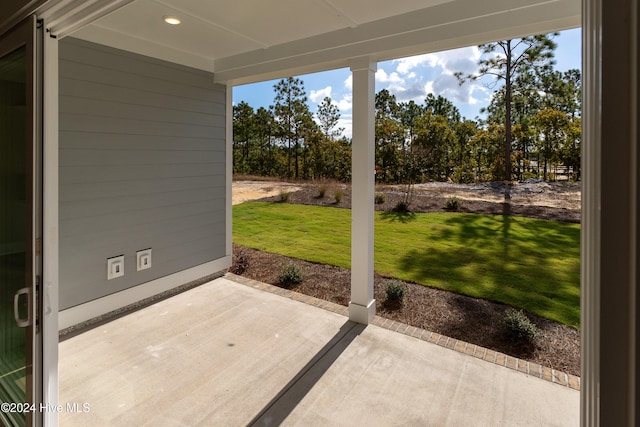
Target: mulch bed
468	319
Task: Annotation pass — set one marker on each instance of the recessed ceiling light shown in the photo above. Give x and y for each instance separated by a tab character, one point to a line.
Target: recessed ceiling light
171	20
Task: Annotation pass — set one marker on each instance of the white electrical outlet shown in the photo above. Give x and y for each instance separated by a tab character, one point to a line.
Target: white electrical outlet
115	267
143	259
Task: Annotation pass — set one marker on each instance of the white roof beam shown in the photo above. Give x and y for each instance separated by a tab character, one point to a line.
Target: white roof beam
423	31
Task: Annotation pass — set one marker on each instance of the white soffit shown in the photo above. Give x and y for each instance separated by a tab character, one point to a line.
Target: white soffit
250	40
211	30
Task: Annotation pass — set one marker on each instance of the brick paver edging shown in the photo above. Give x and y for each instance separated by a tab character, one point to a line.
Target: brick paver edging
491	356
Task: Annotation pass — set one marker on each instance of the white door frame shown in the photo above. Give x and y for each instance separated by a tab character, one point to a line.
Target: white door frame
50	228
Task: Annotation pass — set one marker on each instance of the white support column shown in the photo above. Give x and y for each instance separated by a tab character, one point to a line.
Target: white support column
610	381
229	167
362	306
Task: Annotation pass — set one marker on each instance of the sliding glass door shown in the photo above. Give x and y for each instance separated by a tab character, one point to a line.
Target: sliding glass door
18	226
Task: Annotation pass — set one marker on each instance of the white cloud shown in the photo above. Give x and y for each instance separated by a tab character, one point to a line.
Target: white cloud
412	78
348	82
445	83
428	88
318	95
345	104
411	91
383	77
407	82
448	86
463	59
452	59
407	64
404	88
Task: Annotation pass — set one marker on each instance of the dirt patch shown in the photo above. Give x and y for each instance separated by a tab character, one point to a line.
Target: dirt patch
468	319
245	191
563	195
555	201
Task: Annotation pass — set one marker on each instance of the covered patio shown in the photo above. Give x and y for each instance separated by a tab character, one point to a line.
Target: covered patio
117	73
236	352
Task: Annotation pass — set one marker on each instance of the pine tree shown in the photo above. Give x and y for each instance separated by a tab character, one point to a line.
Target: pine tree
243	116
292	114
328	115
505	60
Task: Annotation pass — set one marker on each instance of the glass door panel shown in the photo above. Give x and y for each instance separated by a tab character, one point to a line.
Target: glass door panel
15	235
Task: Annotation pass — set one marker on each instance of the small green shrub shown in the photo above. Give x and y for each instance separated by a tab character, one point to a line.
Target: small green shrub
379	198
290	274
518	326
395	290
402	207
240	262
338	195
454	203
284	196
322	191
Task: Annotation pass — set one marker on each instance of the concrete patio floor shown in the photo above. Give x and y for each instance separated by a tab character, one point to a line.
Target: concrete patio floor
226	354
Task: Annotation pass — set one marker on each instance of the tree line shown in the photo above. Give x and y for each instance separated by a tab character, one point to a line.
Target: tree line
532	128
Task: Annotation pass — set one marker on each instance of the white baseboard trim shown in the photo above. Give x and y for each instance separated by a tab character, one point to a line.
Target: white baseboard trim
81	313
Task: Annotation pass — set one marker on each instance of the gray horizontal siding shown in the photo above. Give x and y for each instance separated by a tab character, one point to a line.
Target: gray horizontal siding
142	165
134	95
142	71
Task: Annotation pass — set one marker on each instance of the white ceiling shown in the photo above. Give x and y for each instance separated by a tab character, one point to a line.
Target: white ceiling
250	40
218	29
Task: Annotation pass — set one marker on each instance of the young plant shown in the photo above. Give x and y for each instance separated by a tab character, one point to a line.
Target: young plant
454	203
290	274
396	290
402	207
379	198
322	191
518	326
337	195
240	262
284	196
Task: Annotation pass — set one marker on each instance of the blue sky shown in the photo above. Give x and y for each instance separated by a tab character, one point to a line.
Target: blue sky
410	78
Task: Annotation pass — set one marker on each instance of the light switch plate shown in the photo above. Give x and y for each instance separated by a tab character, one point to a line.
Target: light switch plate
143	259
115	267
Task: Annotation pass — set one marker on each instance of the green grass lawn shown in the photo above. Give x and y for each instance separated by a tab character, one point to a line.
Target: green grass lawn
528	263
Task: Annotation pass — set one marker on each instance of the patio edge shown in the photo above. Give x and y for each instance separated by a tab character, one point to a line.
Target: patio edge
491	356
